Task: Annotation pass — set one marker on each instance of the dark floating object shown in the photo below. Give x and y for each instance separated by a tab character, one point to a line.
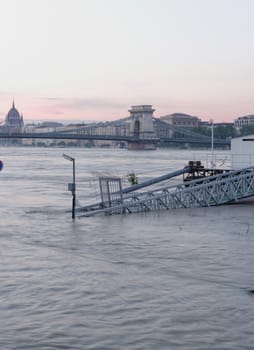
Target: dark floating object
250	291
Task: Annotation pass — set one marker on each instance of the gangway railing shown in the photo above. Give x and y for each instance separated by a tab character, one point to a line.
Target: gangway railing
168	176
210	191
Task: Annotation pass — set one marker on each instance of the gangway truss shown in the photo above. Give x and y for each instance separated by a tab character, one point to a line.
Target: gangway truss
218	189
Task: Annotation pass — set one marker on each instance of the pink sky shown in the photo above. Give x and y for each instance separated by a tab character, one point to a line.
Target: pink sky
64	109
94	59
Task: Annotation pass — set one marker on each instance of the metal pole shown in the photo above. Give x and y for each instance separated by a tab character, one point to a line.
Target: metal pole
212	145
72	186
73	191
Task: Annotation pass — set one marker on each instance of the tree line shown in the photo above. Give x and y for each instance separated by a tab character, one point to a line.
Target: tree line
225	131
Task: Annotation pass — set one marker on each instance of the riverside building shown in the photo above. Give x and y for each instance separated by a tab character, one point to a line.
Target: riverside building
243	121
13	123
181	120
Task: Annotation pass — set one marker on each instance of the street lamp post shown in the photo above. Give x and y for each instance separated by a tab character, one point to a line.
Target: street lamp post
72	186
212	144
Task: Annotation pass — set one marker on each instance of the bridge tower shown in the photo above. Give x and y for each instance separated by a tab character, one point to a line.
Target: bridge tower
142	128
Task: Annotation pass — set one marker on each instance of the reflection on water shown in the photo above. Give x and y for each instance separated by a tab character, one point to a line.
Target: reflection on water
179	279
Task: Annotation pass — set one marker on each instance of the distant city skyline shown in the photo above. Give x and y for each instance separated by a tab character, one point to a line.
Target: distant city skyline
93	59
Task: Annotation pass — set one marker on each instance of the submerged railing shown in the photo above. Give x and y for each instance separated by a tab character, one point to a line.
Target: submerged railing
203	192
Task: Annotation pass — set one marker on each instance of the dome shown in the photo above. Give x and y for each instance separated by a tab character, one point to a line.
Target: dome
13	118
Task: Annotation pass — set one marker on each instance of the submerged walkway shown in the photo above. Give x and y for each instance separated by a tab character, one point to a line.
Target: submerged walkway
210	191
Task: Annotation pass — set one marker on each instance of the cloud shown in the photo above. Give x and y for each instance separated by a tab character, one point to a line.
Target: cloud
84	103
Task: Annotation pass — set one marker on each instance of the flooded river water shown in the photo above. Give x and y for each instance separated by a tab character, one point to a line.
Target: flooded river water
178	279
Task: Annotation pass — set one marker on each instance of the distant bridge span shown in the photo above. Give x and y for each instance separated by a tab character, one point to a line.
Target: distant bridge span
67	136
141	130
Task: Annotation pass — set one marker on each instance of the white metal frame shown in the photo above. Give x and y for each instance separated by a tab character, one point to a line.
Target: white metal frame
214	190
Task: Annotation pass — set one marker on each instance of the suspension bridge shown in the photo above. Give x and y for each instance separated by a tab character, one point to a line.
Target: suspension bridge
161	133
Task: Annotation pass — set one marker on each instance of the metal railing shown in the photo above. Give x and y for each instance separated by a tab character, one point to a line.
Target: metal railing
213	190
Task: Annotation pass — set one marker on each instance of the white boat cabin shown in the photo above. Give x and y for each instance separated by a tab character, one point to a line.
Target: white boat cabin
242	151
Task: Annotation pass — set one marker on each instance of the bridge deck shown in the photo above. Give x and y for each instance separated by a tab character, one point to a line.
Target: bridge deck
190	138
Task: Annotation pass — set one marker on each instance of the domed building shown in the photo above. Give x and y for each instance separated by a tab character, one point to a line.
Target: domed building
14	120
13	124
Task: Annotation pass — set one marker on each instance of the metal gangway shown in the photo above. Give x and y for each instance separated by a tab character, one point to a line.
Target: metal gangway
203	191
